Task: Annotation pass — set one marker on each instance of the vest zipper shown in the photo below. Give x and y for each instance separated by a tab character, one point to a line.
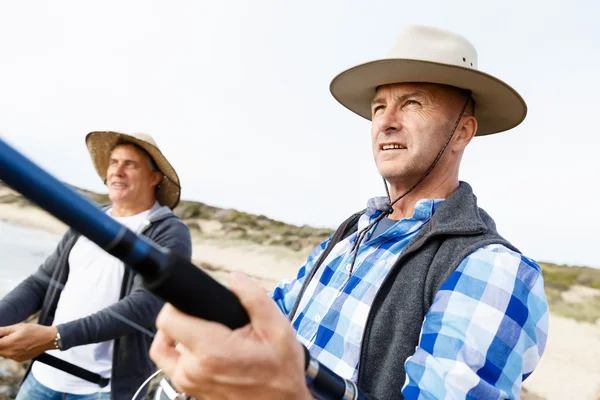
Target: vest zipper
427	236
370	313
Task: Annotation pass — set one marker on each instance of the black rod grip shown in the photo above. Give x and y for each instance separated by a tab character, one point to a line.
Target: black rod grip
324	384
194	292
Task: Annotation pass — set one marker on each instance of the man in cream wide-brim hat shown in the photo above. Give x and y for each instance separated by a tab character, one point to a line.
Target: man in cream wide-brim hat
416	297
78	325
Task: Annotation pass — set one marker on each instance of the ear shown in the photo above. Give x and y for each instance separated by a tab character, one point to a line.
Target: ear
156	178
465	133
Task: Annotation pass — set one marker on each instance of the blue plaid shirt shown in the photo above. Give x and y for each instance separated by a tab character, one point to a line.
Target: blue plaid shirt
484	333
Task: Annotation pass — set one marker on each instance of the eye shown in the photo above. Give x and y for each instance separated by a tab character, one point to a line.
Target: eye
377	109
113	162
411	103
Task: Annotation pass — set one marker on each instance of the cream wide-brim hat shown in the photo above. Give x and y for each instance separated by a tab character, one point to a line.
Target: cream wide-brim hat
430	55
101	143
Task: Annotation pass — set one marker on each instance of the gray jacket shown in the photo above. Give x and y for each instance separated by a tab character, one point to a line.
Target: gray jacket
131	362
392	331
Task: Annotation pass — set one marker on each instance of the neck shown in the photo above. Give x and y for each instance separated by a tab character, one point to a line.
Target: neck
428	189
128	210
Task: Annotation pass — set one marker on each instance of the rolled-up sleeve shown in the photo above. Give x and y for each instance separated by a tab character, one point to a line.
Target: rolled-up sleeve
485	331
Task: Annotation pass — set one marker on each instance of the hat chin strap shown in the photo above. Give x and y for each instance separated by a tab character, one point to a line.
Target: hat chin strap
389	207
388	210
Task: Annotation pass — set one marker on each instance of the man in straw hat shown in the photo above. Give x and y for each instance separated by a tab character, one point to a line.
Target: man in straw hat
91	306
416	297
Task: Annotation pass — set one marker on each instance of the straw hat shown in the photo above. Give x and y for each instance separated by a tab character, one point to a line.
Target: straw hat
432	55
100	144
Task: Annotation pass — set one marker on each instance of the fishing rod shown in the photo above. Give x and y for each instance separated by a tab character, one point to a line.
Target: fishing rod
166	274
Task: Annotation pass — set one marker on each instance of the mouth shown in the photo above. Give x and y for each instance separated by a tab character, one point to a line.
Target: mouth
391	146
118	185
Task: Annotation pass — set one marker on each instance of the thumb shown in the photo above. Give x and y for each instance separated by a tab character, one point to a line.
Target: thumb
261	309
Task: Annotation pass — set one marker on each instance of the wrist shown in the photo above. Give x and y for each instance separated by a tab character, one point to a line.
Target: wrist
55	342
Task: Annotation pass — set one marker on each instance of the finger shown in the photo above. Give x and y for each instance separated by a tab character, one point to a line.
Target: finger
6	330
163	353
196	334
260	308
6	343
191	378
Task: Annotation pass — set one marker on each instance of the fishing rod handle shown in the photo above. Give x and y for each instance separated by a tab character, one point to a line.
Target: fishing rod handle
196	293
325	384
201	301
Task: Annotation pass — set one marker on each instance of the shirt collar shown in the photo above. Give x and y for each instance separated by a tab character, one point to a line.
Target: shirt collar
424	208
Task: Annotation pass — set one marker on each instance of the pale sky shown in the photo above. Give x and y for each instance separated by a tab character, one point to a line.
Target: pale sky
236	93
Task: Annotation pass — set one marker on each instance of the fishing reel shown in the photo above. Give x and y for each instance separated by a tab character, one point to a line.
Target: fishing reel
166	391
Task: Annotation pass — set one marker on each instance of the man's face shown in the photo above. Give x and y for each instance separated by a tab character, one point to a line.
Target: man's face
129	178
410	124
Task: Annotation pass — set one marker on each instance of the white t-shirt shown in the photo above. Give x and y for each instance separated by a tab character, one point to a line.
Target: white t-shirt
94	283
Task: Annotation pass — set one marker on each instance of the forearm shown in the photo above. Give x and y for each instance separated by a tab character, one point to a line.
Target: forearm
22	301
28	296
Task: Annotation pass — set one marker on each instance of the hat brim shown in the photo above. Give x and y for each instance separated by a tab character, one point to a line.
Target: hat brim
101	143
498	107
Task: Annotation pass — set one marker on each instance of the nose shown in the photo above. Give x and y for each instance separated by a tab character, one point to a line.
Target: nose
116	169
387	121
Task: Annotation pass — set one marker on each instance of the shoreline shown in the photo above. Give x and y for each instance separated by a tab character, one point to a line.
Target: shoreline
219	256
31	217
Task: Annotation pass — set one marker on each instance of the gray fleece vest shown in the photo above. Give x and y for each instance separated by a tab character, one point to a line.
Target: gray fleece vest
392	332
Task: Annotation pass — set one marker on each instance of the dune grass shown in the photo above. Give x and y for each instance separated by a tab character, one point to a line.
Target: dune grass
559	279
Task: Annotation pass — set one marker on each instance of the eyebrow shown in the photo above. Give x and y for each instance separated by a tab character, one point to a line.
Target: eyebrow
123	159
402	98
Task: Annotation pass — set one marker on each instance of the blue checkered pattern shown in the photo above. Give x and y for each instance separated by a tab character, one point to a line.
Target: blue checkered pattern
485	332
332	313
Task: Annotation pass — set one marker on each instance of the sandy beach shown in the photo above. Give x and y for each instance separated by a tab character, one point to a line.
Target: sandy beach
31	217
570	368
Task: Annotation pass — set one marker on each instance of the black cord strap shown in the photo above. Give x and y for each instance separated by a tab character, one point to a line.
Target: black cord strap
72	369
